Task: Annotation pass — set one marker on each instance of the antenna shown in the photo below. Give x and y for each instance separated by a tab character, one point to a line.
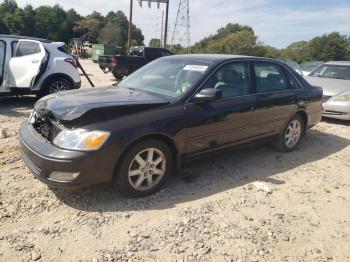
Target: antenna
182	28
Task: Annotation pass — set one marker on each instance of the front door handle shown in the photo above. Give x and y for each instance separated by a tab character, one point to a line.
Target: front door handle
252	108
35	61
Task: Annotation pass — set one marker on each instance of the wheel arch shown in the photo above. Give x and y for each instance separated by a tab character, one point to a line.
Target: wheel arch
304	116
56	75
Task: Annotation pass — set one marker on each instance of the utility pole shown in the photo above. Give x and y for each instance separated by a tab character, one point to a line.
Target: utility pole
161	31
130	25
149	5
166	23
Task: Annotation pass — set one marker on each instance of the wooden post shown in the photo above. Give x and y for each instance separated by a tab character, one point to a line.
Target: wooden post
166	23
130	26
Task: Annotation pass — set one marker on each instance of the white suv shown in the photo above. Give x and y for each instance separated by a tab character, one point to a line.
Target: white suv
33	65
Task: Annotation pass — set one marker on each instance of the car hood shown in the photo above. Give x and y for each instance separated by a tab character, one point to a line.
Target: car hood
70	105
330	86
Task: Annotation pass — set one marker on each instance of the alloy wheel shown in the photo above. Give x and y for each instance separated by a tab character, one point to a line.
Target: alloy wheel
58	86
147	169
293	133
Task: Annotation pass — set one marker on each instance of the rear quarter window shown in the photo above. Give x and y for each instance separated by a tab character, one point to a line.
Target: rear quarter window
63	50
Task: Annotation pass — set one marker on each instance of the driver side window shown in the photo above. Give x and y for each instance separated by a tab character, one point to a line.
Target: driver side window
232	79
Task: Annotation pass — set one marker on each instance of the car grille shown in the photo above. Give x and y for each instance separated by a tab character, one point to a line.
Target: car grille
43	125
325	98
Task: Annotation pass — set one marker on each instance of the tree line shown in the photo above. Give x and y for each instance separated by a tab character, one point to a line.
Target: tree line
57	24
241	39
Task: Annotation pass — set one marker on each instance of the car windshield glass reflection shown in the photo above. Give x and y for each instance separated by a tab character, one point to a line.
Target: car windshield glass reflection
167	78
332	71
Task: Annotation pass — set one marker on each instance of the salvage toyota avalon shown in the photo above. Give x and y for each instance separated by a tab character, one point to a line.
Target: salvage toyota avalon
168	112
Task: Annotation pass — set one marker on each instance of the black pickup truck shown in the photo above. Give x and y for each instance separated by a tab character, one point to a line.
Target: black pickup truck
121	65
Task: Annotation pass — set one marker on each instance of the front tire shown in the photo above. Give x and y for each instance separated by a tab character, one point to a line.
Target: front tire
144	169
292	134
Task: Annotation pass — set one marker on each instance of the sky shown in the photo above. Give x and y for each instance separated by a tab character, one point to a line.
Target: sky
277	22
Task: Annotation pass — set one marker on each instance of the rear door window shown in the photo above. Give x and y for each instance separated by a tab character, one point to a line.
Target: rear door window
269	77
27	48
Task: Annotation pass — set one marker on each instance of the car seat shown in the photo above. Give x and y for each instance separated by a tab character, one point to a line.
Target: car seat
231	83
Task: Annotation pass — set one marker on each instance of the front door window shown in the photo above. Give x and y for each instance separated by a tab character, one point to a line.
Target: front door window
232	79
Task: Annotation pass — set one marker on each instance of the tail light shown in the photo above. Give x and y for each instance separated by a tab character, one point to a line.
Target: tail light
72	61
114	61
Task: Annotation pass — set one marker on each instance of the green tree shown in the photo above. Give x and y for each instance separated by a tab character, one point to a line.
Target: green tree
3	28
298	52
90	26
232	28
28	18
154	42
8	6
330	47
240	43
268	51
112	34
203	45
115	31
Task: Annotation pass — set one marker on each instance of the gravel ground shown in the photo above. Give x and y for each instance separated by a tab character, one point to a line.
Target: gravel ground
251	205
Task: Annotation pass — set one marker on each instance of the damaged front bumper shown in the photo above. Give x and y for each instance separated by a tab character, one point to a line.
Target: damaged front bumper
64	168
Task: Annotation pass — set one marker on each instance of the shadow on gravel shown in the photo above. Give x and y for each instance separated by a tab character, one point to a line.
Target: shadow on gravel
13	106
336	121
209	176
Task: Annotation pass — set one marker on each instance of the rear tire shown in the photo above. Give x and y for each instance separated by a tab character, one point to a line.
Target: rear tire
55	85
144	168
119	77
291	135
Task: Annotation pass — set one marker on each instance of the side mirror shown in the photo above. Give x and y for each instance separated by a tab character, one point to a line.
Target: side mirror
207	95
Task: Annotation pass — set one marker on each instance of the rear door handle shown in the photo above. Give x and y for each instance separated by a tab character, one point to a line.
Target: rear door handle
252	108
35	61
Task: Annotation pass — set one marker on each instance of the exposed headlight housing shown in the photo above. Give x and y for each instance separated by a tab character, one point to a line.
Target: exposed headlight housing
81	139
343	97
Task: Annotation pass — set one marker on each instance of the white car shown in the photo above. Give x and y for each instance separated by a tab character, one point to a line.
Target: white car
308	67
33	65
334	78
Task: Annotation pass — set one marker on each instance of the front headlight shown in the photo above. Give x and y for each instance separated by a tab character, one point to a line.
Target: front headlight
81	139
345	97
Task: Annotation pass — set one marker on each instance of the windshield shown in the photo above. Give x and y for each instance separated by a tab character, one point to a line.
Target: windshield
309	66
171	78
332	71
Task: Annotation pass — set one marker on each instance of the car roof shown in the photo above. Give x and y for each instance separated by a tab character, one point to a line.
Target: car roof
18	37
218	58
347	63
